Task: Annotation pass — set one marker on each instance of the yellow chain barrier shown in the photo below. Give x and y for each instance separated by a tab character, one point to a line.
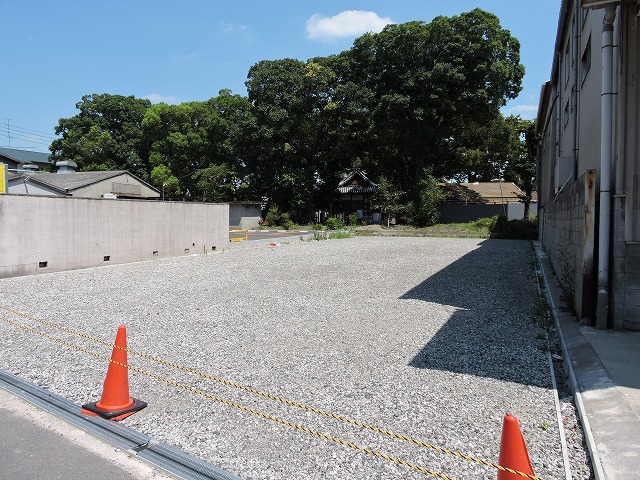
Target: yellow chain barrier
285	401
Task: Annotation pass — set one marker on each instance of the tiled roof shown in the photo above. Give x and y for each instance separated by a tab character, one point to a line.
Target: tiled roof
72	181
357	182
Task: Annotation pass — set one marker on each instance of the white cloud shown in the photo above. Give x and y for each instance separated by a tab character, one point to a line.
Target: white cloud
350	23
157	98
524	108
528	112
231	28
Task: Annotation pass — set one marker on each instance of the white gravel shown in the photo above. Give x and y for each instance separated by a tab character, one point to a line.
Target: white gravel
430	338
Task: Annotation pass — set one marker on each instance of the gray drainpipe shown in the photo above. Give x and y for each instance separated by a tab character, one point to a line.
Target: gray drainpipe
606	144
577	28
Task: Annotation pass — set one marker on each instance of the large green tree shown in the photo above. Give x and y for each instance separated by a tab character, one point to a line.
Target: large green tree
522	165
429	81
105	135
290	101
194	146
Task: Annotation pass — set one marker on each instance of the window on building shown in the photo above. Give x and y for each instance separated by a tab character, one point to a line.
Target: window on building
585	64
566	113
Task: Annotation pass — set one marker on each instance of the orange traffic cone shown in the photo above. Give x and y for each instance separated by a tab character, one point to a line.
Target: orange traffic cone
116	403
513	451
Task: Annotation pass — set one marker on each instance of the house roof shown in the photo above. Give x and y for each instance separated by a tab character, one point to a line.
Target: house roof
481	192
357	182
69	182
74	180
25	156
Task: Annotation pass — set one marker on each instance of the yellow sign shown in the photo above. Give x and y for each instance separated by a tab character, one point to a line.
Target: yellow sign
3	178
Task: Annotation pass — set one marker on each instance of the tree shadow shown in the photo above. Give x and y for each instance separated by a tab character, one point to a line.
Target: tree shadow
493	333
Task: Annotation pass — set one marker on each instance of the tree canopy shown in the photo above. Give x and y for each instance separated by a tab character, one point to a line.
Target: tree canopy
415	97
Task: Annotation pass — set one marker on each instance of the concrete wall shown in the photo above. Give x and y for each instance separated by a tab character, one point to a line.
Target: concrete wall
472	212
245	215
19	186
631	288
44	234
576	132
567	233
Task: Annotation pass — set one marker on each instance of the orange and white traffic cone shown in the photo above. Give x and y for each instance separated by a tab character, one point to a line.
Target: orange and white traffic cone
513	451
115	403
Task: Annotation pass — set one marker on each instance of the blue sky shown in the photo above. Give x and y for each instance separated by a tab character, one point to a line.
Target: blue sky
53	53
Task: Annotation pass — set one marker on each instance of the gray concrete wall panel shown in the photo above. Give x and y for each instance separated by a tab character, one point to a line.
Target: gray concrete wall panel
43	234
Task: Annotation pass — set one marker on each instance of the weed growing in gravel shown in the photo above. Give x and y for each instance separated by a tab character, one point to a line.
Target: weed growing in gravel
545	426
322	235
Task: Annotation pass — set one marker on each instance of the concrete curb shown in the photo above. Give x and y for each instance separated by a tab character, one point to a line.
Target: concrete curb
307	237
610	425
553	296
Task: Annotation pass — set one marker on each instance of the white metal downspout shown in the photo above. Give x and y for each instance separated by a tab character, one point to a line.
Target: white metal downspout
606	144
576	85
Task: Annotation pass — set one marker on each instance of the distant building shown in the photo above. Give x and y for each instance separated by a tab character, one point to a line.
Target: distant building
467	202
16	159
355	194
67	182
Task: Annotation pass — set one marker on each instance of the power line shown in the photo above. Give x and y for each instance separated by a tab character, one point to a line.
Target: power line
11	131
31	132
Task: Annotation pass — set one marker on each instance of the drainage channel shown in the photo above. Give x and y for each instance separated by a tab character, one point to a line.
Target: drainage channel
161	455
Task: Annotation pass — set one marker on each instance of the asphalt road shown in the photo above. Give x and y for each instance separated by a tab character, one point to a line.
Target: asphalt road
265	234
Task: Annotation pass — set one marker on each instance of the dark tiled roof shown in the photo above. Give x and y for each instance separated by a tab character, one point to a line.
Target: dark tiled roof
357	182
25	156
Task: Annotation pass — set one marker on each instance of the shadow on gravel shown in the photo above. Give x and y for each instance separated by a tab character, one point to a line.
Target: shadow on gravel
493	334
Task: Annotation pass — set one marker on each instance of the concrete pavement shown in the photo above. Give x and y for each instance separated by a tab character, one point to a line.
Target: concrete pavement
604	369
35	444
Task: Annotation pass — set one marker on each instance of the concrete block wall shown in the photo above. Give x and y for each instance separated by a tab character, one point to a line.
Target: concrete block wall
631	313
45	234
568	235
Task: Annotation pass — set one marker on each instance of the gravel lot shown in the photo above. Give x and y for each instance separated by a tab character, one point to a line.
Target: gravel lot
430	338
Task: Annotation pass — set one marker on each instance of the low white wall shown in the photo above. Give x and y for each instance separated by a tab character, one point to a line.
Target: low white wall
44	234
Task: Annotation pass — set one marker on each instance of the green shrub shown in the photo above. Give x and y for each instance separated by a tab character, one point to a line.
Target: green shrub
515	229
317	226
353	219
335	223
275	218
488	223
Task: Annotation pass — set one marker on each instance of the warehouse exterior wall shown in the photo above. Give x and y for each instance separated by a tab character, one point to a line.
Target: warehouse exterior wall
568	225
47	234
578	136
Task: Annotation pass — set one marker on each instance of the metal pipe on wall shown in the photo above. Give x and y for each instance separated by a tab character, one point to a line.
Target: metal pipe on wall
606	145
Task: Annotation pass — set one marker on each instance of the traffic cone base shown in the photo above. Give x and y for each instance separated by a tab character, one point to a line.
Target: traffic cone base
513	451
95	410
